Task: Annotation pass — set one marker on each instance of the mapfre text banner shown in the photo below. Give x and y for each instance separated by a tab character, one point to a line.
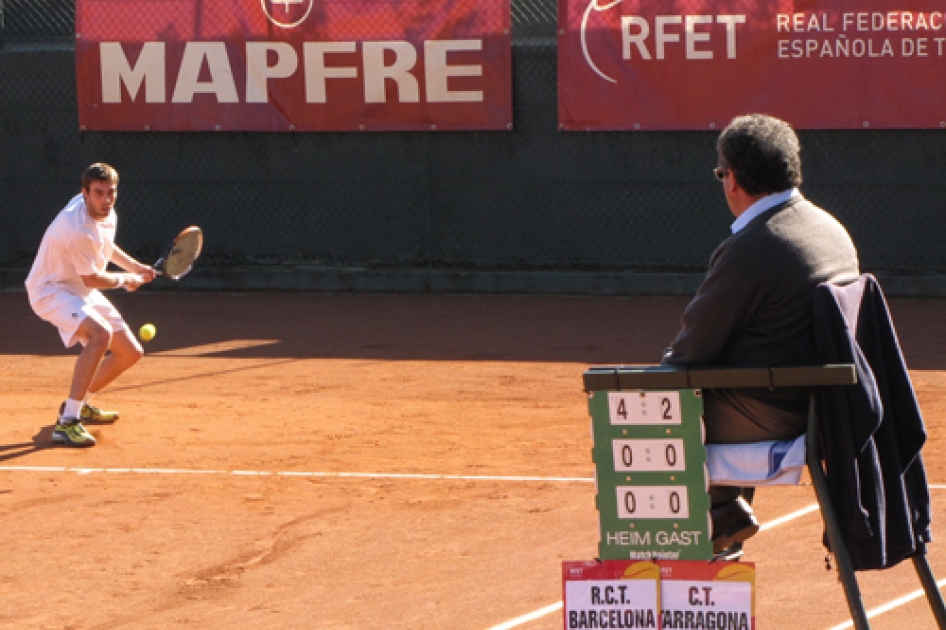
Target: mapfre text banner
293	65
695	64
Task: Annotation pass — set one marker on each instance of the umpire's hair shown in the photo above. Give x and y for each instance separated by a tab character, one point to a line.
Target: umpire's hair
99	172
763	152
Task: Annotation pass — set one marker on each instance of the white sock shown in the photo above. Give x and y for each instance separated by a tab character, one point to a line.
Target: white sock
73	407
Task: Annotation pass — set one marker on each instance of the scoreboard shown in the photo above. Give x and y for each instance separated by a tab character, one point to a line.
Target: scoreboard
650	474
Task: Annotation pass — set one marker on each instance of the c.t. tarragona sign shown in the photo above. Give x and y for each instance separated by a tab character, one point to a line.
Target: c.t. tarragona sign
293	65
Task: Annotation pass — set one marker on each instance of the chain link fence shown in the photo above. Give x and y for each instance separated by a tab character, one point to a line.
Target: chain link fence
37	20
532	199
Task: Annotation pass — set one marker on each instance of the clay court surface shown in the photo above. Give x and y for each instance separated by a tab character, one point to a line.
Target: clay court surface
364	461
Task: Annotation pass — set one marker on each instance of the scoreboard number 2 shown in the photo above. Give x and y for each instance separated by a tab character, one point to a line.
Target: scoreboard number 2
644	408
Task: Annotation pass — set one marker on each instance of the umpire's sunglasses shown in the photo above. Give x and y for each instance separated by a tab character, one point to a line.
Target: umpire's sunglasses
720	172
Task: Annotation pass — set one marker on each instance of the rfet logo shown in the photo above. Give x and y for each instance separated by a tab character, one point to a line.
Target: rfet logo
593	6
646	36
287	13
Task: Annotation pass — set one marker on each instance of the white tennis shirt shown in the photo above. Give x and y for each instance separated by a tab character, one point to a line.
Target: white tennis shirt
73	246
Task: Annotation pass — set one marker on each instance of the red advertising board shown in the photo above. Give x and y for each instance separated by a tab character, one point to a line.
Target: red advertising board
695	64
293	65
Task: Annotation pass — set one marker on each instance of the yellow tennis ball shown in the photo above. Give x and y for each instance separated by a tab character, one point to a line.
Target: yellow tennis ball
147	332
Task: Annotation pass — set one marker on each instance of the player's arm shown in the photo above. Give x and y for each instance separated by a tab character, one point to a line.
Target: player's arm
126	262
113	280
135	274
82	250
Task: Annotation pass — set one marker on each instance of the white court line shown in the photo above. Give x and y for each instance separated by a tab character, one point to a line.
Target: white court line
518	621
889	606
790	517
365	475
289	473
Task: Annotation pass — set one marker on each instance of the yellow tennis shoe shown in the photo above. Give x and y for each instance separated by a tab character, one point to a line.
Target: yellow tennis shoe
93	414
71	433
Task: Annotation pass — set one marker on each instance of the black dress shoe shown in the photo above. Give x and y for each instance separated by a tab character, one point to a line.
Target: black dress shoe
732	553
733	522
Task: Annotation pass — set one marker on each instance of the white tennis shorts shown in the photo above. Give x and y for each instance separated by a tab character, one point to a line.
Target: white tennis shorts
66	311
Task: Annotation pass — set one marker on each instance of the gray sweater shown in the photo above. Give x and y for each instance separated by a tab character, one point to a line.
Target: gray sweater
755	305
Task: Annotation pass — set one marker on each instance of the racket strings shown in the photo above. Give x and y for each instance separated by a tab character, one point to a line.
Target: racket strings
183	254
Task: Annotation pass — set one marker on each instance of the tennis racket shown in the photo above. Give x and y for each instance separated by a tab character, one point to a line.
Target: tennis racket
180	256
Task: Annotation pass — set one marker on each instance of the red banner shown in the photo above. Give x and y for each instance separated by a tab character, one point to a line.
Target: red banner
293	65
695	64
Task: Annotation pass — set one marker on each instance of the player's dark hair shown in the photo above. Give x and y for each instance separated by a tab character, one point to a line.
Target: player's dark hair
763	152
99	172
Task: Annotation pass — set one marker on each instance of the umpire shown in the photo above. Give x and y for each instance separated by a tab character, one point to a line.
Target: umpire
753	308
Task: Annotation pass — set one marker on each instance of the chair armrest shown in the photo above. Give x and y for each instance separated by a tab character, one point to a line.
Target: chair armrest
657	377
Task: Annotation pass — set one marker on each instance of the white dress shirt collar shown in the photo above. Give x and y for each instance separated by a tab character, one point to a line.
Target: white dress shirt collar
761	205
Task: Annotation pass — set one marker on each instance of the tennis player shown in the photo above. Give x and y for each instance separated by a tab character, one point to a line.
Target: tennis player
65	288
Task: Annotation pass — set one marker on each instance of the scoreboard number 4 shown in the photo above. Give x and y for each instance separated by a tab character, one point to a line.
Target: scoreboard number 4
644	408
